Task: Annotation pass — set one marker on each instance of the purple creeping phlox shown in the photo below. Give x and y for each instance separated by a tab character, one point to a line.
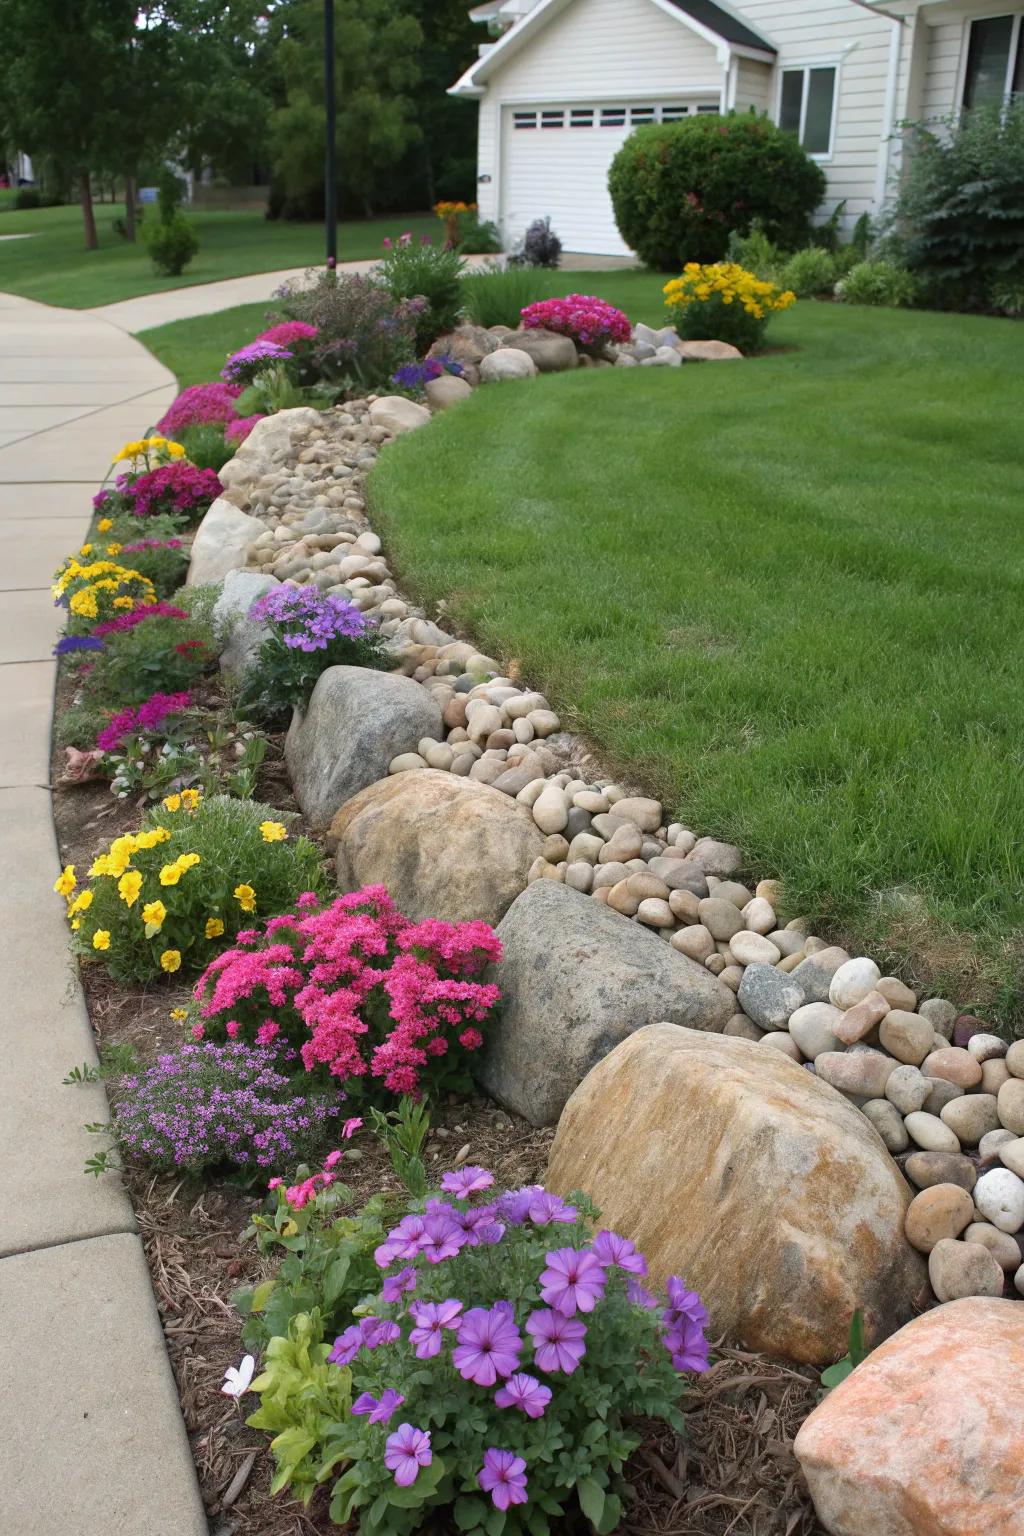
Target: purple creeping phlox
489	1344
309	619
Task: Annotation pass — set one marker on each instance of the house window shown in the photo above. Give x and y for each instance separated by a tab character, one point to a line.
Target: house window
807	106
995	61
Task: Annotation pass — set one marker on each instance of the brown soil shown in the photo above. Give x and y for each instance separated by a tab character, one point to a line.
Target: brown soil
734	1473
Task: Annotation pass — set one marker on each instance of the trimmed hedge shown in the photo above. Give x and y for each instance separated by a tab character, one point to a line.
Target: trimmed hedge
679	190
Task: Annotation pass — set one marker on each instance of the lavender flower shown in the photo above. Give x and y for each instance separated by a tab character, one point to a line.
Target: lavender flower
685	1319
405	1452
243	366
557	1340
573	1281
489	1344
467	1181
380	1410
611	1249
308	619
394	1287
503	1476
431	1317
525	1393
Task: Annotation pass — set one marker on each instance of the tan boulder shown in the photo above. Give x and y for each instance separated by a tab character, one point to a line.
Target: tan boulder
444	846
738	1169
926	1437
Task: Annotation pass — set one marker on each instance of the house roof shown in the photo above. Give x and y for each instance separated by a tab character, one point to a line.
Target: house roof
710	20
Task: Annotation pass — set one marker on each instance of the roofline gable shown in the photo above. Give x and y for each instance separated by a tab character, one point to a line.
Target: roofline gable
473	82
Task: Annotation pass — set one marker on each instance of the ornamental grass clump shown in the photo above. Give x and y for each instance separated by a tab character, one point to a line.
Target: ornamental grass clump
502	1369
723	302
590	322
219	1107
309	631
363	994
172	895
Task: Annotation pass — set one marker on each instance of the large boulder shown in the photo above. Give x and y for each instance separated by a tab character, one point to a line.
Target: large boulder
221	543
926	1437
357	720
238	637
730	1165
507	363
397	414
576	979
444	846
551	351
446	391
271	436
467	344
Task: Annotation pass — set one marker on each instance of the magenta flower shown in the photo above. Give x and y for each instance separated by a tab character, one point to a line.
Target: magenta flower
430	1318
545	1207
503	1476
346	1346
405	1452
557	1340
464	1182
442	1238
489	1344
379	1411
640	1296
394	1287
523	1392
611	1249
573	1282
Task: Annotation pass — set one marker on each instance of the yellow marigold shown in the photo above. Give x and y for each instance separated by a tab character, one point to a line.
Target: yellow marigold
179	1015
124	602
273	831
76	923
104	525
153	914
84	604
174	451
214	928
190	798
171	874
113	549
172	802
170	960
129	886
65	881
246	897
101	939
86	549
81	903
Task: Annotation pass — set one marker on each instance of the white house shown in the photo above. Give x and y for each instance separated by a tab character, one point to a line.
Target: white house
562	83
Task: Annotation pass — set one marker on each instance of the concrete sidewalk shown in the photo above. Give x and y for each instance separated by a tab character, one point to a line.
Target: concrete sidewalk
91	1437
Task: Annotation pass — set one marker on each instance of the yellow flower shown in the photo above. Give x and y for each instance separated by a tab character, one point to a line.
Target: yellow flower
246	897
104	525
273	831
174	451
81	903
179	1014
86	549
172	802
170	960
153	914
65	881
76	923
188	861
113	549
101	939
101	865
170	874
214	928
190	798
129	886
124	602
84	604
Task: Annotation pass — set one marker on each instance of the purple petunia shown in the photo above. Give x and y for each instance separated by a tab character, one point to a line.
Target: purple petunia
431	1317
503	1476
573	1281
68	644
611	1249
396	1285
640	1296
489	1344
524	1392
545	1207
557	1340
442	1239
684	1320
380	1410
405	1452
464	1182
369	1333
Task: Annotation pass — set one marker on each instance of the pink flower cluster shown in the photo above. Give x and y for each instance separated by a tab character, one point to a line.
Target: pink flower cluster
199	404
178	488
126	621
588	320
236	432
288	332
357	988
145	718
299	1195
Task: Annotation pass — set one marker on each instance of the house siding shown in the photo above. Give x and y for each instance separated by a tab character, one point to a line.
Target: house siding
753	85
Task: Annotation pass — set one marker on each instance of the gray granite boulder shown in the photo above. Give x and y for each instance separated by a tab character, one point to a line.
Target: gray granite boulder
551	351
238	637
221	543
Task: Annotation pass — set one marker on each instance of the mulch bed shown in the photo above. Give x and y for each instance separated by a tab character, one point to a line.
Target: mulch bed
733	1475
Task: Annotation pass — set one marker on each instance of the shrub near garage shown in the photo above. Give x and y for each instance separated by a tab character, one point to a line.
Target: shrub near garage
680	189
172	895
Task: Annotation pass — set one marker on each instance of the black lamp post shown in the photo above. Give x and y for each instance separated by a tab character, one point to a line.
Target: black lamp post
330	169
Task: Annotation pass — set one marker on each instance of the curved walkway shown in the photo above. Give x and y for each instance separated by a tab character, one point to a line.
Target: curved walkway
91	1436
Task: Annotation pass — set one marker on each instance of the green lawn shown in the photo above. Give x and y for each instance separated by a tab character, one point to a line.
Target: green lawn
54	267
785	595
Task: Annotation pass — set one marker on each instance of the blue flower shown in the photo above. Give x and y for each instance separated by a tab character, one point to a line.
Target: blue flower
69	643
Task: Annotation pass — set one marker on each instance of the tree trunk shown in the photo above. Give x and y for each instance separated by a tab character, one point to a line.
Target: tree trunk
129	205
88	213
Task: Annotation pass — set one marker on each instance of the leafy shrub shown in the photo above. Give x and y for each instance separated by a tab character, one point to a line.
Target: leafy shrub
164	654
881	283
1008	296
359	990
302	1399
363	334
539	247
498	295
959	218
810	272
723	303
680	189
429	272
756	253
222	1107
171	243
163	561
27	198
466	231
450	1416
310	631
171	896
589	321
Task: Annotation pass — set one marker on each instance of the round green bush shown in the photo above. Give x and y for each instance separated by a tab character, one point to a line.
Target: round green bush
810	272
171	243
679	190
880	283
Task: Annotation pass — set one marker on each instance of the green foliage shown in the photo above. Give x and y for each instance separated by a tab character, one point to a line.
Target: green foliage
857	1351
403	1131
171	243
206	446
680	189
303	1401
959	218
432	273
164	566
27	197
810	272
477	236
881	283
192	862
281	678
756	253
364	335
498	295
1008	296
146	660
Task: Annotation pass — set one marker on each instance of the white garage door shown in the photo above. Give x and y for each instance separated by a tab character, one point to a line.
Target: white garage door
555	163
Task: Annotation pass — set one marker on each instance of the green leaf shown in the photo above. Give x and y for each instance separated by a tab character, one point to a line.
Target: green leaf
612	1515
592	1500
469	1513
836	1373
495	1522
334	1280
420	1491
261	1295
857	1342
